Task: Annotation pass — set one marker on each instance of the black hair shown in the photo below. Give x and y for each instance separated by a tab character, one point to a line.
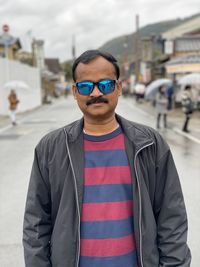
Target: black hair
89	55
160	88
187	87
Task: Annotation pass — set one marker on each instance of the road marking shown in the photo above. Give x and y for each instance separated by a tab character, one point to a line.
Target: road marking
189	136
19	121
6	128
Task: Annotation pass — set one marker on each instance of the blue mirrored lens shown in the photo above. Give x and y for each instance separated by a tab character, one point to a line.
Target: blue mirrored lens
106	86
84	88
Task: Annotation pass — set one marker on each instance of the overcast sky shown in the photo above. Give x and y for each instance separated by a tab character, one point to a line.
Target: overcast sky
93	22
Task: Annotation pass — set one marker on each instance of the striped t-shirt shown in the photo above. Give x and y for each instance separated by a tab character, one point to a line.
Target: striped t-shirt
107	233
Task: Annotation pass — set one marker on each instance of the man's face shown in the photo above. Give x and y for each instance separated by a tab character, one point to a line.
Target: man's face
96	70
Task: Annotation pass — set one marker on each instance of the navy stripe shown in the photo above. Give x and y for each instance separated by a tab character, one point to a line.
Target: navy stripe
127	260
107	229
106	158
107	193
104	137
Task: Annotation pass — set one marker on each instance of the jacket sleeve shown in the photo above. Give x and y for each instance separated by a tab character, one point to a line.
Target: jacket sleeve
37	218
172	222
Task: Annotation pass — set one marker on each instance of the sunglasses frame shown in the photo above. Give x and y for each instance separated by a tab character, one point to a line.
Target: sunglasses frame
96	84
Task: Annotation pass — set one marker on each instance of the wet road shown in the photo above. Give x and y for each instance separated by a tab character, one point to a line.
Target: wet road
16	155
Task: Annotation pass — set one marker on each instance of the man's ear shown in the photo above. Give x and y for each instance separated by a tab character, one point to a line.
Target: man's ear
74	91
119	87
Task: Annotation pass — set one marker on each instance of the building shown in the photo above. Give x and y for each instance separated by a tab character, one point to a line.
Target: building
183	65
38	54
53	65
191	26
182	45
25	57
187	45
152	57
9	46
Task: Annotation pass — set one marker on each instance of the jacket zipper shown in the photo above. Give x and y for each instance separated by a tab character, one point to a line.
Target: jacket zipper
77	202
140	204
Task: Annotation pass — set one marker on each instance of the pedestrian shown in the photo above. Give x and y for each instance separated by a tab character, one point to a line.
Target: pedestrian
104	191
139	91
13	102
67	89
187	106
170	91
161	106
125	87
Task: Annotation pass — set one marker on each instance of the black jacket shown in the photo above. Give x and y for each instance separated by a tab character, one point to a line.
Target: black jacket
51	234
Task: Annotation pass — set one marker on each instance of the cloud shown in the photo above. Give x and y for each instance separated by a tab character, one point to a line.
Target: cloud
93	22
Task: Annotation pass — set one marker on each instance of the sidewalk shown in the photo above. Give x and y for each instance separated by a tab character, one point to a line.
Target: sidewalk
175	119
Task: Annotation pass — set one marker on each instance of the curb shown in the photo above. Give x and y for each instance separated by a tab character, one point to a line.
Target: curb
191	137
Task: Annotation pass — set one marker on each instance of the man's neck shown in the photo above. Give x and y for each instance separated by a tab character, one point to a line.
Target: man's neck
100	128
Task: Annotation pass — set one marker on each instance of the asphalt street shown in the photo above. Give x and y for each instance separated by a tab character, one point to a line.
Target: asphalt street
16	155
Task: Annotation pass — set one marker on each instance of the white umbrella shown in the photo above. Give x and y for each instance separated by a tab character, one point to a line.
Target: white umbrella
16	85
190	79
152	88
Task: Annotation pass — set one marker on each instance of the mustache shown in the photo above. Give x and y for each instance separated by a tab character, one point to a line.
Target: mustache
94	100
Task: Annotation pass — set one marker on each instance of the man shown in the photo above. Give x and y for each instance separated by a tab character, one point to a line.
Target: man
13	101
103	191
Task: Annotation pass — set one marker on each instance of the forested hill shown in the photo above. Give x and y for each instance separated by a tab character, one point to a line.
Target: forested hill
116	46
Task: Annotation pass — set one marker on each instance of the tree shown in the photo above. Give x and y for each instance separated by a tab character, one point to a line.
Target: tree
67	68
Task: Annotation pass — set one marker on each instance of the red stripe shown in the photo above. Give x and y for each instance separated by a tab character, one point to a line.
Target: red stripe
107	175
107	211
107	247
115	143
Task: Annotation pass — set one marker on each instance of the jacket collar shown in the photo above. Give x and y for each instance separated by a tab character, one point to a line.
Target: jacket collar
136	133
74	130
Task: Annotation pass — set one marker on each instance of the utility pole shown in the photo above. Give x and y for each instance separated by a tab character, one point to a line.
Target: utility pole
7	43
126	62
73	47
137	49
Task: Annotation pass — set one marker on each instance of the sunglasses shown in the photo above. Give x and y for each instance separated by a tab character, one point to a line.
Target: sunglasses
105	86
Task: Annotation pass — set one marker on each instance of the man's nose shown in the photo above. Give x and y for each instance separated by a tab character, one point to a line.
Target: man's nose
96	91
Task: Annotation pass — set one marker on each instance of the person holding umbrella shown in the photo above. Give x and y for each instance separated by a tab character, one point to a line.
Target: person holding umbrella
187	106
161	106
152	89
13	101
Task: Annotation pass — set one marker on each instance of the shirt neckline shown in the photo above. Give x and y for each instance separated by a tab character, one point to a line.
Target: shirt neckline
98	138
